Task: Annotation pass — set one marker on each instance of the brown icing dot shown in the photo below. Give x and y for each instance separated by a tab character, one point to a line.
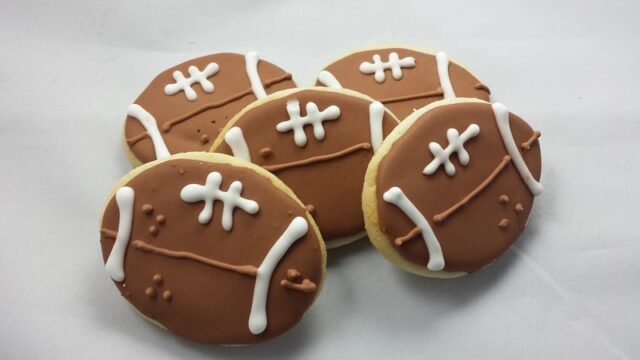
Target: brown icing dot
503	224
124	285
147	208
157	279
204	139
161	219
518	208
266	152
311	209
181	171
150	292
503	199
167	295
213	121
153	230
293	274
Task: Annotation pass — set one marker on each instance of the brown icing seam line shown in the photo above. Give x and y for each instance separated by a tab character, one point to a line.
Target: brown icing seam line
412	97
410	235
169	124
307	286
109	233
320	158
438	218
134	140
481	86
241	269
527	144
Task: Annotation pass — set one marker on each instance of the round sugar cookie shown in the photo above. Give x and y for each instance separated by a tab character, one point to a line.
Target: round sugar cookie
185	107
212	248
402	78
319	142
452	187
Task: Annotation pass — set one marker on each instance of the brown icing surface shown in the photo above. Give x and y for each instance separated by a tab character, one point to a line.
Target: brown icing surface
198	280
327	174
189	125
418	87
472	212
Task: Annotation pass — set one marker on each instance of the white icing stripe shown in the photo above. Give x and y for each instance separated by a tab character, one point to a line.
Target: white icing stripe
456	145
396	197
395	64
195	76
327	79
443	75
501	114
314	117
235	139
258	317
114	266
251	59
376	114
210	193
151	126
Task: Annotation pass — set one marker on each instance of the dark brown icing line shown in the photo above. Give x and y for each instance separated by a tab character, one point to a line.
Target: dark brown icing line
134	140
481	86
319	158
306	286
109	233
410	235
442	216
435	93
166	127
241	269
527	144
438	218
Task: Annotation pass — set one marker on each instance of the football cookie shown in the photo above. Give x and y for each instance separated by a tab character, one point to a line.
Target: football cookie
319	142
403	78
184	108
452	187
212	248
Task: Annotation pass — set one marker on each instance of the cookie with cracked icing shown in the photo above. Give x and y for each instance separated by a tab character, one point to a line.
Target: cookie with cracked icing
185	107
319	142
403	78
452	187
212	248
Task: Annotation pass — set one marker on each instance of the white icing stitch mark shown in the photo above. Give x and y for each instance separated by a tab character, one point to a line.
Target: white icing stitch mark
314	117
456	144
258	316
210	192
235	139
396	197
114	266
443	74
195	76
395	64
501	114
151	126
251	60
376	114
327	79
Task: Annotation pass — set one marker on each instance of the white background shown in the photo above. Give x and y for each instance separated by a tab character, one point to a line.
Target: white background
570	288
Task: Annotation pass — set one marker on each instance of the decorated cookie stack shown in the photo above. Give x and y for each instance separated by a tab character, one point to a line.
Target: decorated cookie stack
223	242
